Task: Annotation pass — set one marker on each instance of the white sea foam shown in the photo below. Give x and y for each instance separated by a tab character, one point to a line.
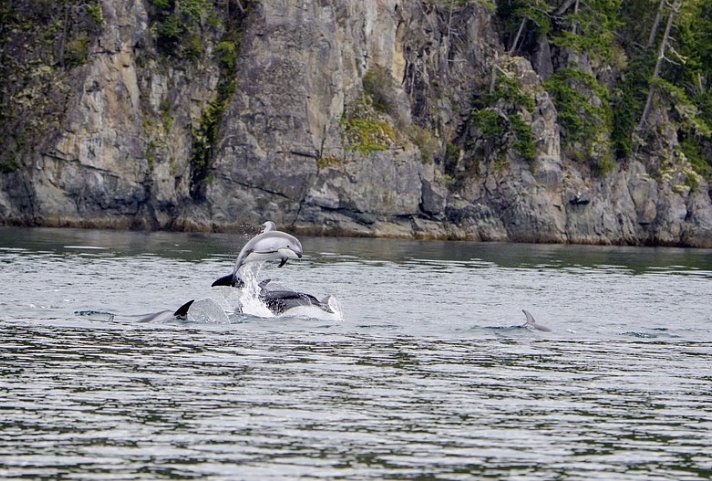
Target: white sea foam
249	295
207	311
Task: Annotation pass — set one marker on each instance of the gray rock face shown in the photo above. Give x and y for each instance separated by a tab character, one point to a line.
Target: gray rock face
122	156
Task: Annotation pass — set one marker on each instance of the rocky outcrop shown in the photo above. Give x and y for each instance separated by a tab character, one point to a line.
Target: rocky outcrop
348	117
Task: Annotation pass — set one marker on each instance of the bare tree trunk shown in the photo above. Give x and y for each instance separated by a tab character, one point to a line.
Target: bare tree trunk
656	23
658	63
565	6
449	22
513	47
574	27
448	39
63	40
493	78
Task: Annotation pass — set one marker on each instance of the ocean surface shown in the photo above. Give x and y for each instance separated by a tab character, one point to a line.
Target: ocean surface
426	372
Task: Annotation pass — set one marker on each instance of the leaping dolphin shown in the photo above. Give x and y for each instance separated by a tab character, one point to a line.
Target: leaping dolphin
532	323
269	244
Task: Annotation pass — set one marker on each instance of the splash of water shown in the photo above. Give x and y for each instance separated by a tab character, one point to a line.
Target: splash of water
246	300
207	311
249	296
335	305
228	299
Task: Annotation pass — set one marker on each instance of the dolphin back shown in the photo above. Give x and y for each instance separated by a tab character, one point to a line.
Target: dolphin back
281	301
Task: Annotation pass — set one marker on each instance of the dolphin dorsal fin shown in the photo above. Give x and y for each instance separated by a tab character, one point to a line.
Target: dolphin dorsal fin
532	323
530	319
182	311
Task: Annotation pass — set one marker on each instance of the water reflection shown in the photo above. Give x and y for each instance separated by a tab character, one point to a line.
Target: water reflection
197	247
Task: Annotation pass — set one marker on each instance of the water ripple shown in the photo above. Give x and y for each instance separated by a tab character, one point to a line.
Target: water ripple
113	404
429	376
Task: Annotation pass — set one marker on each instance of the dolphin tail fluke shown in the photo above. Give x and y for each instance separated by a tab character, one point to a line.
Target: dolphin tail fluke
182	311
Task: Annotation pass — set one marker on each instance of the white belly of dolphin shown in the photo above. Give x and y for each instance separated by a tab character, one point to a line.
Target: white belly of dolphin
312	312
257	256
287	253
262	256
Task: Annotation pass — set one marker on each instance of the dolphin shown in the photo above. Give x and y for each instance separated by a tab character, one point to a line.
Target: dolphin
181	314
282	301
532	323
269	244
201	310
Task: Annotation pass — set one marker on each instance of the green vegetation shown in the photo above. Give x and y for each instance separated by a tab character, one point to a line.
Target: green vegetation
365	135
498	125
585	111
40	41
205	135
226	53
367	127
628	99
590	29
166	118
585	116
178	25
676	79
181	29
651	62
328	161
509	89
523	142
629	79
94	11
517	15
425	141
378	87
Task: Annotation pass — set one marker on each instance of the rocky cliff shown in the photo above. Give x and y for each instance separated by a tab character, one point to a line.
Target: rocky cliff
332	117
